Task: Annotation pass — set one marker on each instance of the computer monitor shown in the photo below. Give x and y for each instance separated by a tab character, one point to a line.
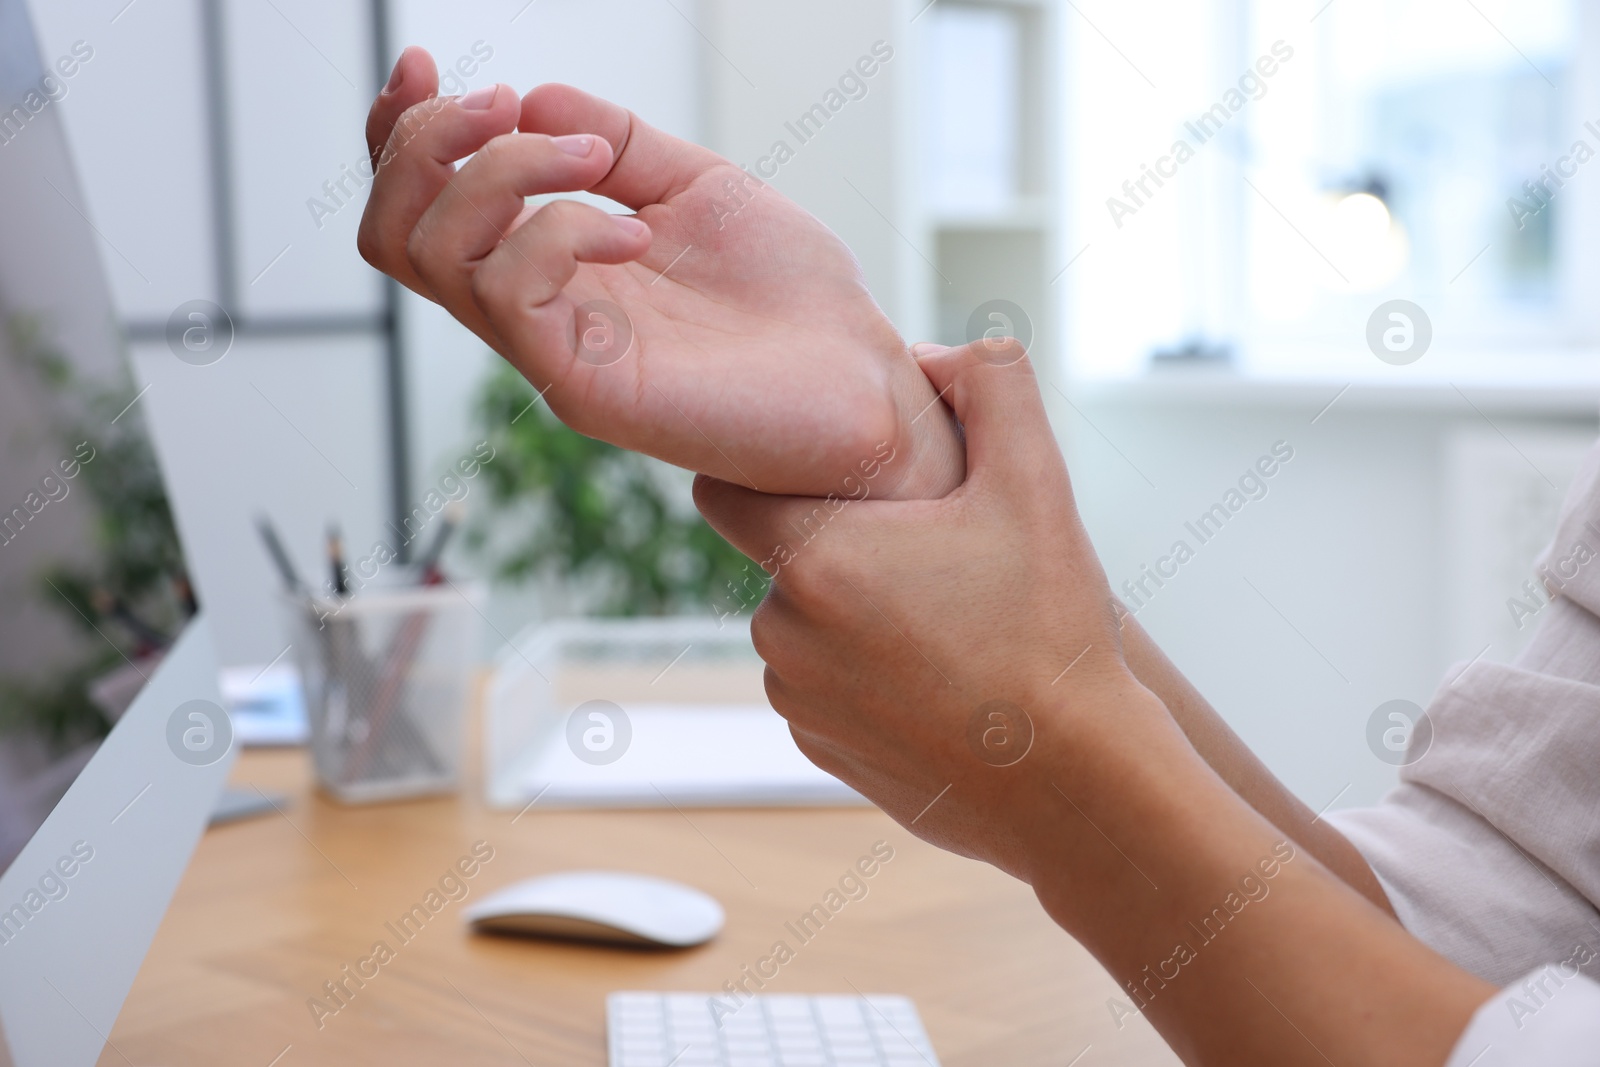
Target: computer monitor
113	739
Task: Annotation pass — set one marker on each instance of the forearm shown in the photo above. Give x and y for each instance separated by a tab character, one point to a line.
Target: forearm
931	687
1160	871
1244	773
932	463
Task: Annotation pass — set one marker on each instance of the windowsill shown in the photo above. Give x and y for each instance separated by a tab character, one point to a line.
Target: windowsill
1024	213
1564	383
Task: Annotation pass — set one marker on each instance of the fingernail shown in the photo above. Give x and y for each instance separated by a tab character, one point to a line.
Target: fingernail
480	99
629	225
396	76
927	348
575	144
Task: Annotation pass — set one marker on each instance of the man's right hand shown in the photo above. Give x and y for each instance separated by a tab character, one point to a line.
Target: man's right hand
757	354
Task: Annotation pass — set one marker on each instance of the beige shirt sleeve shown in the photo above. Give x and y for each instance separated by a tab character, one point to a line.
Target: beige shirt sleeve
1490	847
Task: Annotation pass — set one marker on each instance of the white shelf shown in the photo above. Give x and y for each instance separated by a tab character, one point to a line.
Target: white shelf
1548	384
868	175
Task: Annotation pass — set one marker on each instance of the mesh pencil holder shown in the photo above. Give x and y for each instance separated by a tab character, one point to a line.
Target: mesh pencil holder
387	676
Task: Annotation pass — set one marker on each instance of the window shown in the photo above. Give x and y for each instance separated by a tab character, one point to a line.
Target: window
1252	178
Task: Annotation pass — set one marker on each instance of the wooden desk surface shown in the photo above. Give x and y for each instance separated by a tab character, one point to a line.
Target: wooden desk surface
273	907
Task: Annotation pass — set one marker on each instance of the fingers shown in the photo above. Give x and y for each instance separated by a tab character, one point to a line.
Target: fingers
765	528
991	387
519	286
810	547
483	202
650	165
413	80
418	160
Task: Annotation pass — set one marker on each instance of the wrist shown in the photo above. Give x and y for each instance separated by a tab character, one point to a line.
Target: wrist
1116	786
1142	835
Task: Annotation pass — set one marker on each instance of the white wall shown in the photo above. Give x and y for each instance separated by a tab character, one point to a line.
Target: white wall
290	429
135	116
1351	545
300	77
772	64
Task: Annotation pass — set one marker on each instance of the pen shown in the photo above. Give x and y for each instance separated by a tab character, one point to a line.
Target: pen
400	659
428	565
280	558
341	584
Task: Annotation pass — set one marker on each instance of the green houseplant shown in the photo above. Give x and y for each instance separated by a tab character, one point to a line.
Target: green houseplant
617	523
133	598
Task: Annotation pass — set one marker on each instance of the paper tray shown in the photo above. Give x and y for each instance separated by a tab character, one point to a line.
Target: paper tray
690	755
702	733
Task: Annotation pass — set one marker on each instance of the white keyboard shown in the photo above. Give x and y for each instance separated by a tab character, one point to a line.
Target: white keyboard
698	1030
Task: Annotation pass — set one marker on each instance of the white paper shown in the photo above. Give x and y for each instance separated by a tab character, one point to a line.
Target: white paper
714	755
265	706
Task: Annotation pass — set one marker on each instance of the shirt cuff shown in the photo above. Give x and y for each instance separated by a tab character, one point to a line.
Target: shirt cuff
1549	1019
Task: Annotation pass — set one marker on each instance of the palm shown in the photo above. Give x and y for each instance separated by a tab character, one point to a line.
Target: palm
754	340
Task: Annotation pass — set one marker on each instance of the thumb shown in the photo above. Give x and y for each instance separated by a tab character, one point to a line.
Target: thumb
991	387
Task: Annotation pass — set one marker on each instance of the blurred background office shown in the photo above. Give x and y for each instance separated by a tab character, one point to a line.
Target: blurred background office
1193	210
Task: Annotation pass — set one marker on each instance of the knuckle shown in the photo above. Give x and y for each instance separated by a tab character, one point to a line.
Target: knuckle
764	627
788	703
818	751
494	151
412	121
810	600
777	692
785	643
419	249
563	214
367	243
715	504
808	746
801	583
812	577
491	286
1011	351
705	494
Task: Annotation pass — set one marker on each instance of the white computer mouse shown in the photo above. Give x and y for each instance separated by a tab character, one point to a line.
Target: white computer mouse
607	906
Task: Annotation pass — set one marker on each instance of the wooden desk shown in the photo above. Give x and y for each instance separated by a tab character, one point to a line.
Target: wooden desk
273	907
